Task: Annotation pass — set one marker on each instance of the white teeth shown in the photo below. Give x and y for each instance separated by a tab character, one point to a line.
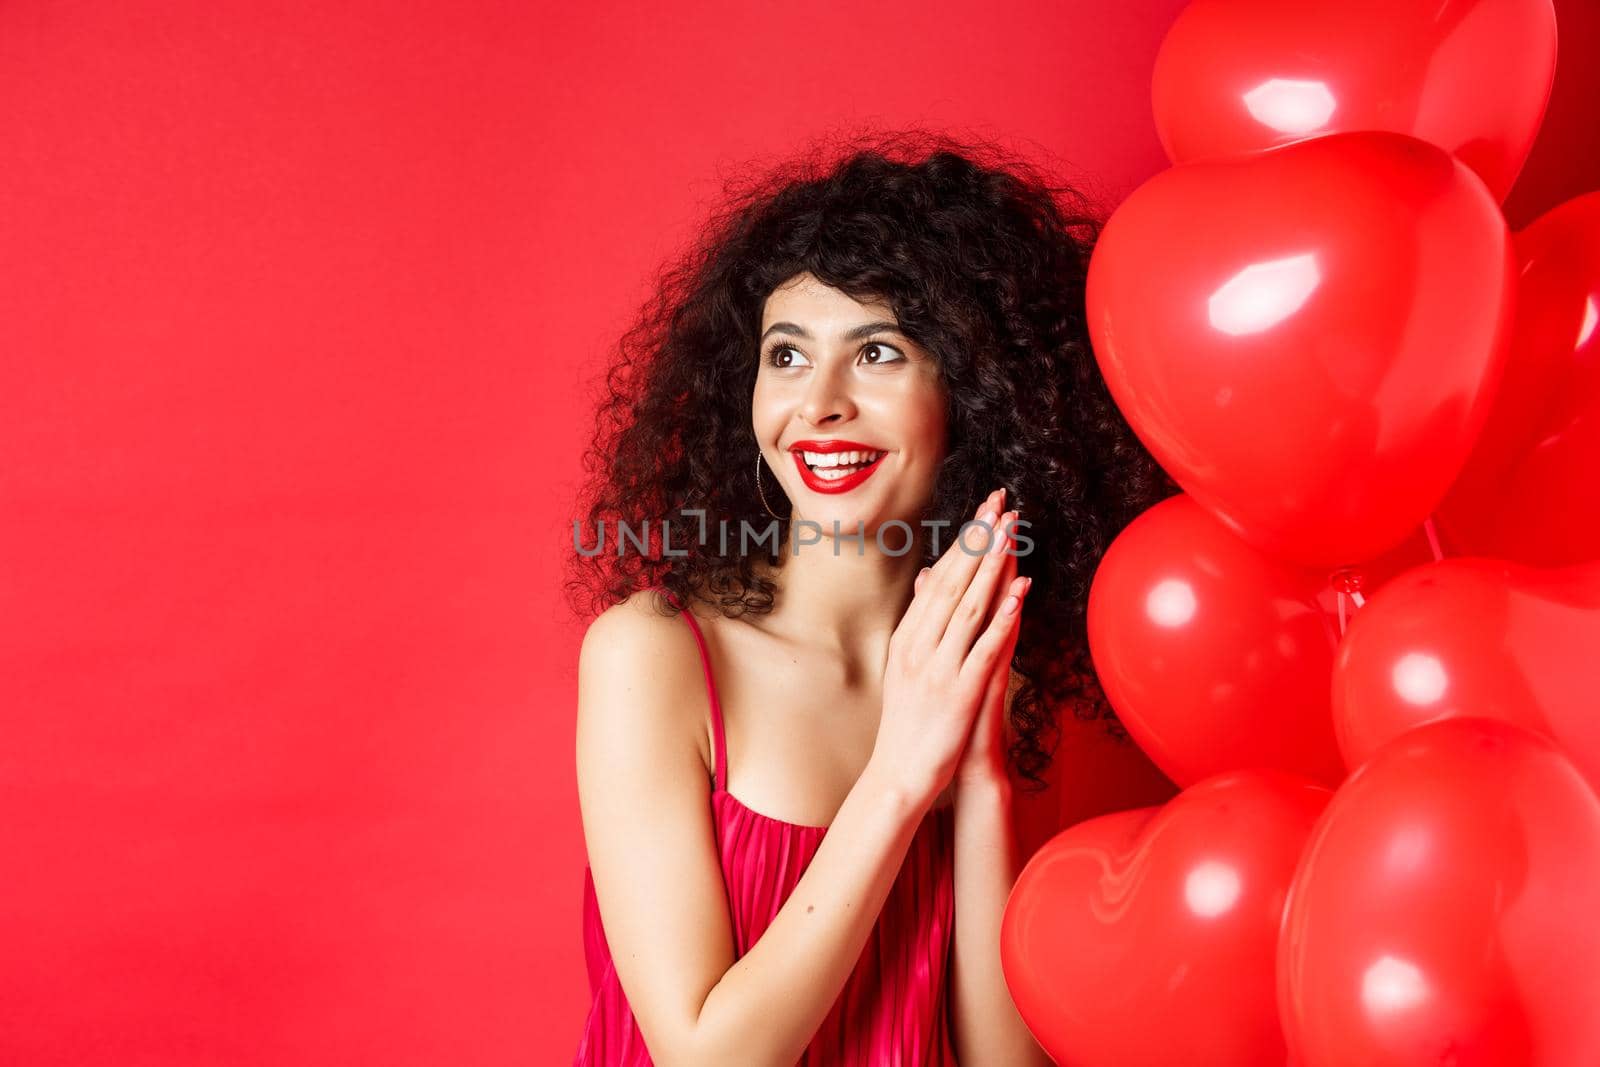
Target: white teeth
839	459
831	466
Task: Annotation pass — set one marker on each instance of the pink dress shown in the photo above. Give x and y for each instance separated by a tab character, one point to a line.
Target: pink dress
892	1009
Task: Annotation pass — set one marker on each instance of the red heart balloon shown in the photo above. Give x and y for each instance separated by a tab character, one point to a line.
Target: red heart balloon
1215	656
1308	339
1547	512
1472	76
1525	494
1148	937
1443	912
1478	637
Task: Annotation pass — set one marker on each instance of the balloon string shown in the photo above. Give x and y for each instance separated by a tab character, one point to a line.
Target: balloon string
1339	597
1433	538
1360	601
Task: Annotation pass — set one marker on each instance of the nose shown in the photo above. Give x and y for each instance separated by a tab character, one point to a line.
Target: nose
827	399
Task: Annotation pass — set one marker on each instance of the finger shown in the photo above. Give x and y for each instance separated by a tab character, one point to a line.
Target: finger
988	515
972	611
952	573
1000	677
947	582
994	696
910	621
1008	571
934	600
1002	587
986	652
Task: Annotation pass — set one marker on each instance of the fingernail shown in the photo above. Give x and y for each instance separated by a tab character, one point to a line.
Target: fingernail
1027	585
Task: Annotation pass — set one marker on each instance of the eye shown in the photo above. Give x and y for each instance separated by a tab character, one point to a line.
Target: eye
880	346
775	355
775	352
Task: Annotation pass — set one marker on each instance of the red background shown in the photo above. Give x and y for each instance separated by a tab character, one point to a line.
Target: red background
297	306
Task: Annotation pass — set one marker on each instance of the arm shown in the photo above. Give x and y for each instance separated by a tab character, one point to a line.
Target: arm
984	1023
652	851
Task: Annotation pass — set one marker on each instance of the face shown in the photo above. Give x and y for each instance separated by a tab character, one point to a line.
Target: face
834	370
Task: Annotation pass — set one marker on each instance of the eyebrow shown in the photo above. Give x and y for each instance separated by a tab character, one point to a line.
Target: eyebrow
855	333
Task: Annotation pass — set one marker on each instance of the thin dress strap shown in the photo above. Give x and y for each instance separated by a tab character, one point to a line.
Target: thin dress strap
720	743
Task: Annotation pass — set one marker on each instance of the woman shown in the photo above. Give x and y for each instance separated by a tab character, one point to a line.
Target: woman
797	800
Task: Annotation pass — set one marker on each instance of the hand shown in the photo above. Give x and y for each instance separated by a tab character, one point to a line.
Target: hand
942	659
983	760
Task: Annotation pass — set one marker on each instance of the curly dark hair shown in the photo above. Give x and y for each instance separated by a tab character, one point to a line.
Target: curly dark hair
984	263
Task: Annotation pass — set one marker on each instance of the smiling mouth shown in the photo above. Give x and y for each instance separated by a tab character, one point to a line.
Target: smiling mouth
836	472
833	466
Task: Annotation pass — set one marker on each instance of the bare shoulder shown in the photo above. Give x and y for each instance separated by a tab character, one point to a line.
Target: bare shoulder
647	823
636	666
635	625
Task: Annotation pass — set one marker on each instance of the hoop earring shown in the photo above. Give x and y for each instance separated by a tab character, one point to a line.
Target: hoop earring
760	491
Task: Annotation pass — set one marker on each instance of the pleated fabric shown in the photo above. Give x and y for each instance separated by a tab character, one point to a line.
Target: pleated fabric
893	1010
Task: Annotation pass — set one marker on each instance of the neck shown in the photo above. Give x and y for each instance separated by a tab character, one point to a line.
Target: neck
845	596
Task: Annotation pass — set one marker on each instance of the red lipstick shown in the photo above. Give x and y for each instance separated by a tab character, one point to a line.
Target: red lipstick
834	485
